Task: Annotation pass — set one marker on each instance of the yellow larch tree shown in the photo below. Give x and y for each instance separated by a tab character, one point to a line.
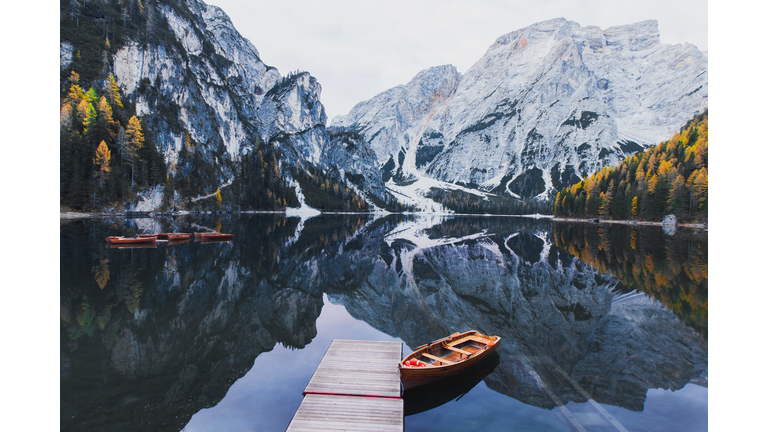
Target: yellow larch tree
101	161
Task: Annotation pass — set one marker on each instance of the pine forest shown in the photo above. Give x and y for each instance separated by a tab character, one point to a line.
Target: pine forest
668	178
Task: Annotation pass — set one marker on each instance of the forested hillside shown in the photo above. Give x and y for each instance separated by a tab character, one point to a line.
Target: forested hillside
668	178
105	154
162	136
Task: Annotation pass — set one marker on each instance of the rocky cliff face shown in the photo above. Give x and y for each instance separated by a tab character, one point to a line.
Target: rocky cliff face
545	106
208	85
197	82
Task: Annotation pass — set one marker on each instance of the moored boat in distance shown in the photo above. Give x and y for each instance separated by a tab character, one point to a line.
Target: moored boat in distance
446	357
146	238
216	236
178	236
168	236
152	245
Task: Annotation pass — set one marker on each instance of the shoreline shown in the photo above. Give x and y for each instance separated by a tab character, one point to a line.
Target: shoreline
629	222
67	215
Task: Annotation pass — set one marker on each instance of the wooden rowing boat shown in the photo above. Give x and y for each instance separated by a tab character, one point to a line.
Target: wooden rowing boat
179	236
217	236
168	236
445	357
159	236
131	240
152	245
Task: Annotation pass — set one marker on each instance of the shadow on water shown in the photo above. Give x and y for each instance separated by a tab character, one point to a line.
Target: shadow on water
433	395
151	336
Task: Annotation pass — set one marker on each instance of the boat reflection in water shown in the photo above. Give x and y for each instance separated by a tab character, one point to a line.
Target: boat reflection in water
175	242
132	245
207	240
432	395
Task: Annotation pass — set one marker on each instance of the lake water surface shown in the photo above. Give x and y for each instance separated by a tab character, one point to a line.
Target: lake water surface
603	327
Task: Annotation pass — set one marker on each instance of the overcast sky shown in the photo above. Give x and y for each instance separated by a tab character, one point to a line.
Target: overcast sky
357	49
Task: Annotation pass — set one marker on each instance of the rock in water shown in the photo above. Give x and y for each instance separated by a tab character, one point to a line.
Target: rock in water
670	220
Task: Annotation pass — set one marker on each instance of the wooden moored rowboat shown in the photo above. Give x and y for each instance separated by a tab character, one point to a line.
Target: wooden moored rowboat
217	236
168	236
179	236
445	357
131	240
160	236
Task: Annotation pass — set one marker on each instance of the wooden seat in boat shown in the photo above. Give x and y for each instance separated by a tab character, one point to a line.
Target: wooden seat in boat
430	356
469	338
458	350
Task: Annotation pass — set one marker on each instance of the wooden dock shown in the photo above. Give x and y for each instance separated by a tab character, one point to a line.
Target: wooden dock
356	387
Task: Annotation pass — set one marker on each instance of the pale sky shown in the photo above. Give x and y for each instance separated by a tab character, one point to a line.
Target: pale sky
357	49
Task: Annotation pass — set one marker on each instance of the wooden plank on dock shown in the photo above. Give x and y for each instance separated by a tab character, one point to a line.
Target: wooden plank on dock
358	368
348	413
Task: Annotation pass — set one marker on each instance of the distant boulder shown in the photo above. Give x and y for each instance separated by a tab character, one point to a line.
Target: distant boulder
669	224
670	220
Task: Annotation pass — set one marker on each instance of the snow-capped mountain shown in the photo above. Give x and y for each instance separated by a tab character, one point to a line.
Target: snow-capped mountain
544	107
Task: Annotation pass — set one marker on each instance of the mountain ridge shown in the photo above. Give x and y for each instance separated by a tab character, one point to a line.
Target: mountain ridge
544	107
503	86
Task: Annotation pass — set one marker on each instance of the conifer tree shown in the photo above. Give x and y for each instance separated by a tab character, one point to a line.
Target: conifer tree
86	113
607	201
134	140
65	116
91	96
113	92
101	161
635	208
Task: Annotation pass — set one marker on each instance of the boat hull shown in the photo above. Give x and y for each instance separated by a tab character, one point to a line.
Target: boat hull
132	240
168	236
217	237
178	236
417	376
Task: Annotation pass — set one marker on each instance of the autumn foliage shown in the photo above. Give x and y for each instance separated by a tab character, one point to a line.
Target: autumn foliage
668	178
671	269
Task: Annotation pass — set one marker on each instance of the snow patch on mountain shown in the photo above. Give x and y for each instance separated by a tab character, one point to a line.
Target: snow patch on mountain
546	106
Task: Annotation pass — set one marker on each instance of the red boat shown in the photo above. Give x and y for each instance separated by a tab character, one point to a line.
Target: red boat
168	236
160	236
132	240
132	246
217	236
178	236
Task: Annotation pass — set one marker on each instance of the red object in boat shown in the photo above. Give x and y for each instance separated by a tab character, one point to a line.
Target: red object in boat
131	240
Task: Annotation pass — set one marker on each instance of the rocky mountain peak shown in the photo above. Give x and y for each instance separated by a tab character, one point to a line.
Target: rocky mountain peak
545	106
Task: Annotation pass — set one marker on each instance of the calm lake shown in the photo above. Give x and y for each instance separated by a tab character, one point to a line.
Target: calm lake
603	327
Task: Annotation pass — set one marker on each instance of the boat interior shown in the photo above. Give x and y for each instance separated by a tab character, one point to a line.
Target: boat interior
451	351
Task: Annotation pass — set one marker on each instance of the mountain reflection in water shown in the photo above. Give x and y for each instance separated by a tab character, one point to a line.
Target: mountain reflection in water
149	337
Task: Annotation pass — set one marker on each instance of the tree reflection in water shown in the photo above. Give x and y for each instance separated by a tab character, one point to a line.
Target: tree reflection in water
151	336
